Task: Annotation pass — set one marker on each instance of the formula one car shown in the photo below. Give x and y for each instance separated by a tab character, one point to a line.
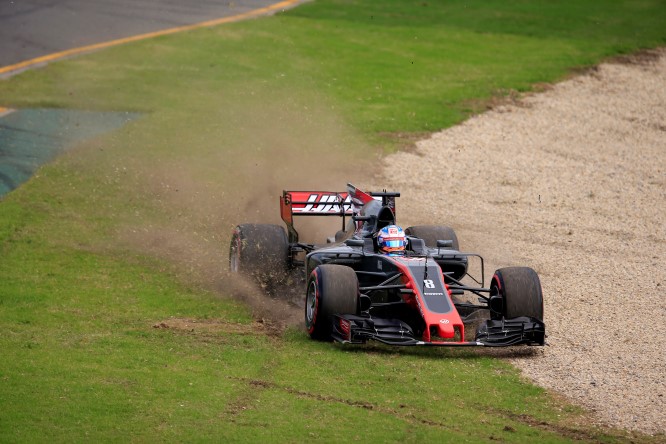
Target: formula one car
355	293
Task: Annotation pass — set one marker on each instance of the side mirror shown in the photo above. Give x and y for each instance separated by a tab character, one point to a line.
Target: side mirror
444	243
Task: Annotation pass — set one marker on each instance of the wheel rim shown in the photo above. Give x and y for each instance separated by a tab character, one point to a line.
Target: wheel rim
311	303
494	291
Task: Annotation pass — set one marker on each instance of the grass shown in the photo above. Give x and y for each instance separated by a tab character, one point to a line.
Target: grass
129	230
387	66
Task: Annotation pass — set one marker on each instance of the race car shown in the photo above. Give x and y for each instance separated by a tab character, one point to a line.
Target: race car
414	293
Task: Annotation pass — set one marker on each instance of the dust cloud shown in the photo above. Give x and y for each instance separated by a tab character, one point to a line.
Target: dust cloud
240	162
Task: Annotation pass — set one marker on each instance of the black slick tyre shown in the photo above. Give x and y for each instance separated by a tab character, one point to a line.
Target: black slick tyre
331	289
519	290
259	251
432	233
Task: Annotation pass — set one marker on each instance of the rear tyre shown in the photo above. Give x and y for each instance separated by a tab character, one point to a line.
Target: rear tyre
259	251
456	266
432	233
331	289
515	292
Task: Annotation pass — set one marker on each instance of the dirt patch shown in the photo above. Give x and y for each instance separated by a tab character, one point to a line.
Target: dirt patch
570	182
645	57
404	141
259	327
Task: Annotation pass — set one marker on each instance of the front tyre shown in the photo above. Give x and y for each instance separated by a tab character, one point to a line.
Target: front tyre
331	289
516	292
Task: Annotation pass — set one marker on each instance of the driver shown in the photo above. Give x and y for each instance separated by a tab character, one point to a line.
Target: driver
391	240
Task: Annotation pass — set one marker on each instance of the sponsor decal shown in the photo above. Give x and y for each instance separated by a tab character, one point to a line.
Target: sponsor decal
415	261
434	294
444	321
321	202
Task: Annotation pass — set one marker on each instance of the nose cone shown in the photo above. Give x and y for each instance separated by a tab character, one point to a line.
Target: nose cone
445	329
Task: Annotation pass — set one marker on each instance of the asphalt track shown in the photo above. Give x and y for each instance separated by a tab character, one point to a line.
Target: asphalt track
33	32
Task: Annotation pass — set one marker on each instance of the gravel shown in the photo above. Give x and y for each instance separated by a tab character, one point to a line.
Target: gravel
572	182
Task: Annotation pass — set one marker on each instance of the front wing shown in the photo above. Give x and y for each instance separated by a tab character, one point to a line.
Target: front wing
352	329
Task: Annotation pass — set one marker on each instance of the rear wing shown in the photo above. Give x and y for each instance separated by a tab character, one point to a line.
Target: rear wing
328	203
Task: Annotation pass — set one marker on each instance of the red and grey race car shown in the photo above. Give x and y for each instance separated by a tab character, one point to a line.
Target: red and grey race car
355	293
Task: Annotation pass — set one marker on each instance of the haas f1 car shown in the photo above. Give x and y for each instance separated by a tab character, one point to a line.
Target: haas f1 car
354	292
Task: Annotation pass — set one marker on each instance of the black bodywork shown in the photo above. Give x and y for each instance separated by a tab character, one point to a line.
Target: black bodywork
415	299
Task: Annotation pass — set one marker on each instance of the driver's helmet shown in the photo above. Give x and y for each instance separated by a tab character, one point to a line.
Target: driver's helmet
392	240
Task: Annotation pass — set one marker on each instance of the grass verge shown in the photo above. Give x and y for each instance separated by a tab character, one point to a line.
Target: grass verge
115	324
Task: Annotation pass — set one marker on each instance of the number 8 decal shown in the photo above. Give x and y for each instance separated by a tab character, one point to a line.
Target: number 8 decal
428	283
